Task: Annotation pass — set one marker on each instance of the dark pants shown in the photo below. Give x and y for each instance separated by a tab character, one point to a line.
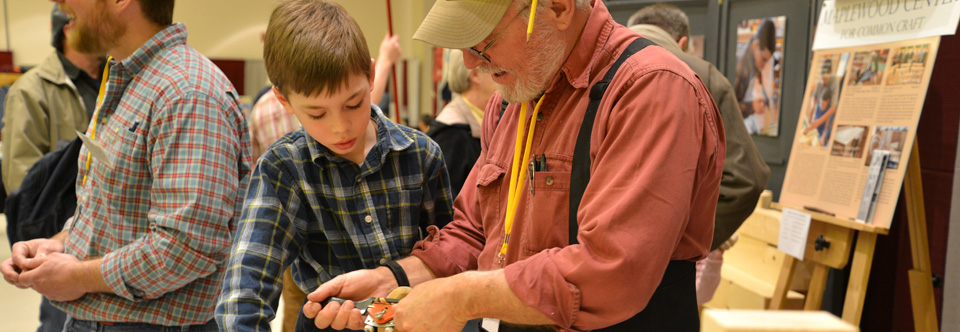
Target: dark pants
51	318
77	325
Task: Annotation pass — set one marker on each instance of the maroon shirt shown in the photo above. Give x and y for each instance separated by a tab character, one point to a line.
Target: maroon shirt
658	153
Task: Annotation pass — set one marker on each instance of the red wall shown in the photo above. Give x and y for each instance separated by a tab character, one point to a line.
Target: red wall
235	70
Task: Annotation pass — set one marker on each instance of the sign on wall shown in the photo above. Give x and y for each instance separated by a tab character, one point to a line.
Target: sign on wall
851	23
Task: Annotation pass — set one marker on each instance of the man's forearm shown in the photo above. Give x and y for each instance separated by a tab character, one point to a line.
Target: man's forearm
382	74
489	296
88	276
62	236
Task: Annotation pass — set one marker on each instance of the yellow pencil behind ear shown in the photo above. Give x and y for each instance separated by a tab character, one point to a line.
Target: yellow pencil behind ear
533	12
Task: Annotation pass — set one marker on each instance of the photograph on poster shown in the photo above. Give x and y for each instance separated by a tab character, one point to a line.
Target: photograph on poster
817	120
849	141
758	76
908	65
695	46
891	139
868	67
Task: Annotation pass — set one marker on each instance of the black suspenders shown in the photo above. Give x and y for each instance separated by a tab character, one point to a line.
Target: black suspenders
673	306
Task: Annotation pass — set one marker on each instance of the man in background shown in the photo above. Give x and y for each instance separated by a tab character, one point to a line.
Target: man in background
50	103
45	109
745	173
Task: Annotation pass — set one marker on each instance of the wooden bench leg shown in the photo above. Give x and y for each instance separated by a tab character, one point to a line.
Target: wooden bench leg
818	283
859	275
783	283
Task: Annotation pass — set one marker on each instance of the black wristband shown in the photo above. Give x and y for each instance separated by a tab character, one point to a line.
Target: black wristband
398	273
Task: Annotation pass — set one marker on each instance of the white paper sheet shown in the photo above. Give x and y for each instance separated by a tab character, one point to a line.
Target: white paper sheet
96	149
794	229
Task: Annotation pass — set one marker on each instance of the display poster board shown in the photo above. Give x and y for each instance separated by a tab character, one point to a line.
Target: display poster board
850	23
857	99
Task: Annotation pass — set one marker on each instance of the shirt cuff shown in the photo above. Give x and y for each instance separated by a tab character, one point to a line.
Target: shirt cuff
538	283
430	252
111	271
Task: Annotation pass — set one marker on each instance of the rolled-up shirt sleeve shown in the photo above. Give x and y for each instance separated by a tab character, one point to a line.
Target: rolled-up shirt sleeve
456	248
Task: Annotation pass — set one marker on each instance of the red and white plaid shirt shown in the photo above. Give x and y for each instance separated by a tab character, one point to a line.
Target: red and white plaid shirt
162	210
269	122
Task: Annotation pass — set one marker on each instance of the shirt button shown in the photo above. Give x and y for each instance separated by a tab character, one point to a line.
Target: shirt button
368	219
383	261
539	117
549	181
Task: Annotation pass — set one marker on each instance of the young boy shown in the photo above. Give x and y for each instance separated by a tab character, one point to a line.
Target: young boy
350	190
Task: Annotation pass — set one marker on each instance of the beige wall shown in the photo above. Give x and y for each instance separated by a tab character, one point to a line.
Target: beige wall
232	29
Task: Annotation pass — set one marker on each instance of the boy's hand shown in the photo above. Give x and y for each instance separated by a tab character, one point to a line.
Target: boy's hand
356	285
334	315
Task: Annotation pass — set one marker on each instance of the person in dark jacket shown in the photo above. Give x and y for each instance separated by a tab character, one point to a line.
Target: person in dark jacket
457	128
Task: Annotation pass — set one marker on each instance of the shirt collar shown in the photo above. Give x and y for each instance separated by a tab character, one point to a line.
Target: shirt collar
579	64
173	35
389	137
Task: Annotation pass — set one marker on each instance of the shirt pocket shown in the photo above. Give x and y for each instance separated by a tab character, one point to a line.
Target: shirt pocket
546	222
490	191
403	216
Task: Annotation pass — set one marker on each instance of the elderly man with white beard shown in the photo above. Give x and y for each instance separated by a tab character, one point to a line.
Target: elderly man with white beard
546	238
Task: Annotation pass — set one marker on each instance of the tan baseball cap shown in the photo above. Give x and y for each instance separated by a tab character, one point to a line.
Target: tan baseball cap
461	23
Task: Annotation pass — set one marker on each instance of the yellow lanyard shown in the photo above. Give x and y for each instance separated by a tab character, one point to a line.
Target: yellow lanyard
96	112
516	180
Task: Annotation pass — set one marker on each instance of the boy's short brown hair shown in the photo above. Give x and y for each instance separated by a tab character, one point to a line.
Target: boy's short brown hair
313	46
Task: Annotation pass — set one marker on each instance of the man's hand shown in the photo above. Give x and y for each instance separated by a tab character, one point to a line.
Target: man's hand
55	276
436	305
22	256
356	285
11	273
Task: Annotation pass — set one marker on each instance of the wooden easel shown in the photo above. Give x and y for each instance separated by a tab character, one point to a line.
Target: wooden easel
839	233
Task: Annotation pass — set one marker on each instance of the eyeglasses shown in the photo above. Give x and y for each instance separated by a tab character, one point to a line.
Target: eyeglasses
481	54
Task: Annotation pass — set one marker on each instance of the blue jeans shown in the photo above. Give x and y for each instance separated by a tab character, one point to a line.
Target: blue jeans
51	318
77	325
